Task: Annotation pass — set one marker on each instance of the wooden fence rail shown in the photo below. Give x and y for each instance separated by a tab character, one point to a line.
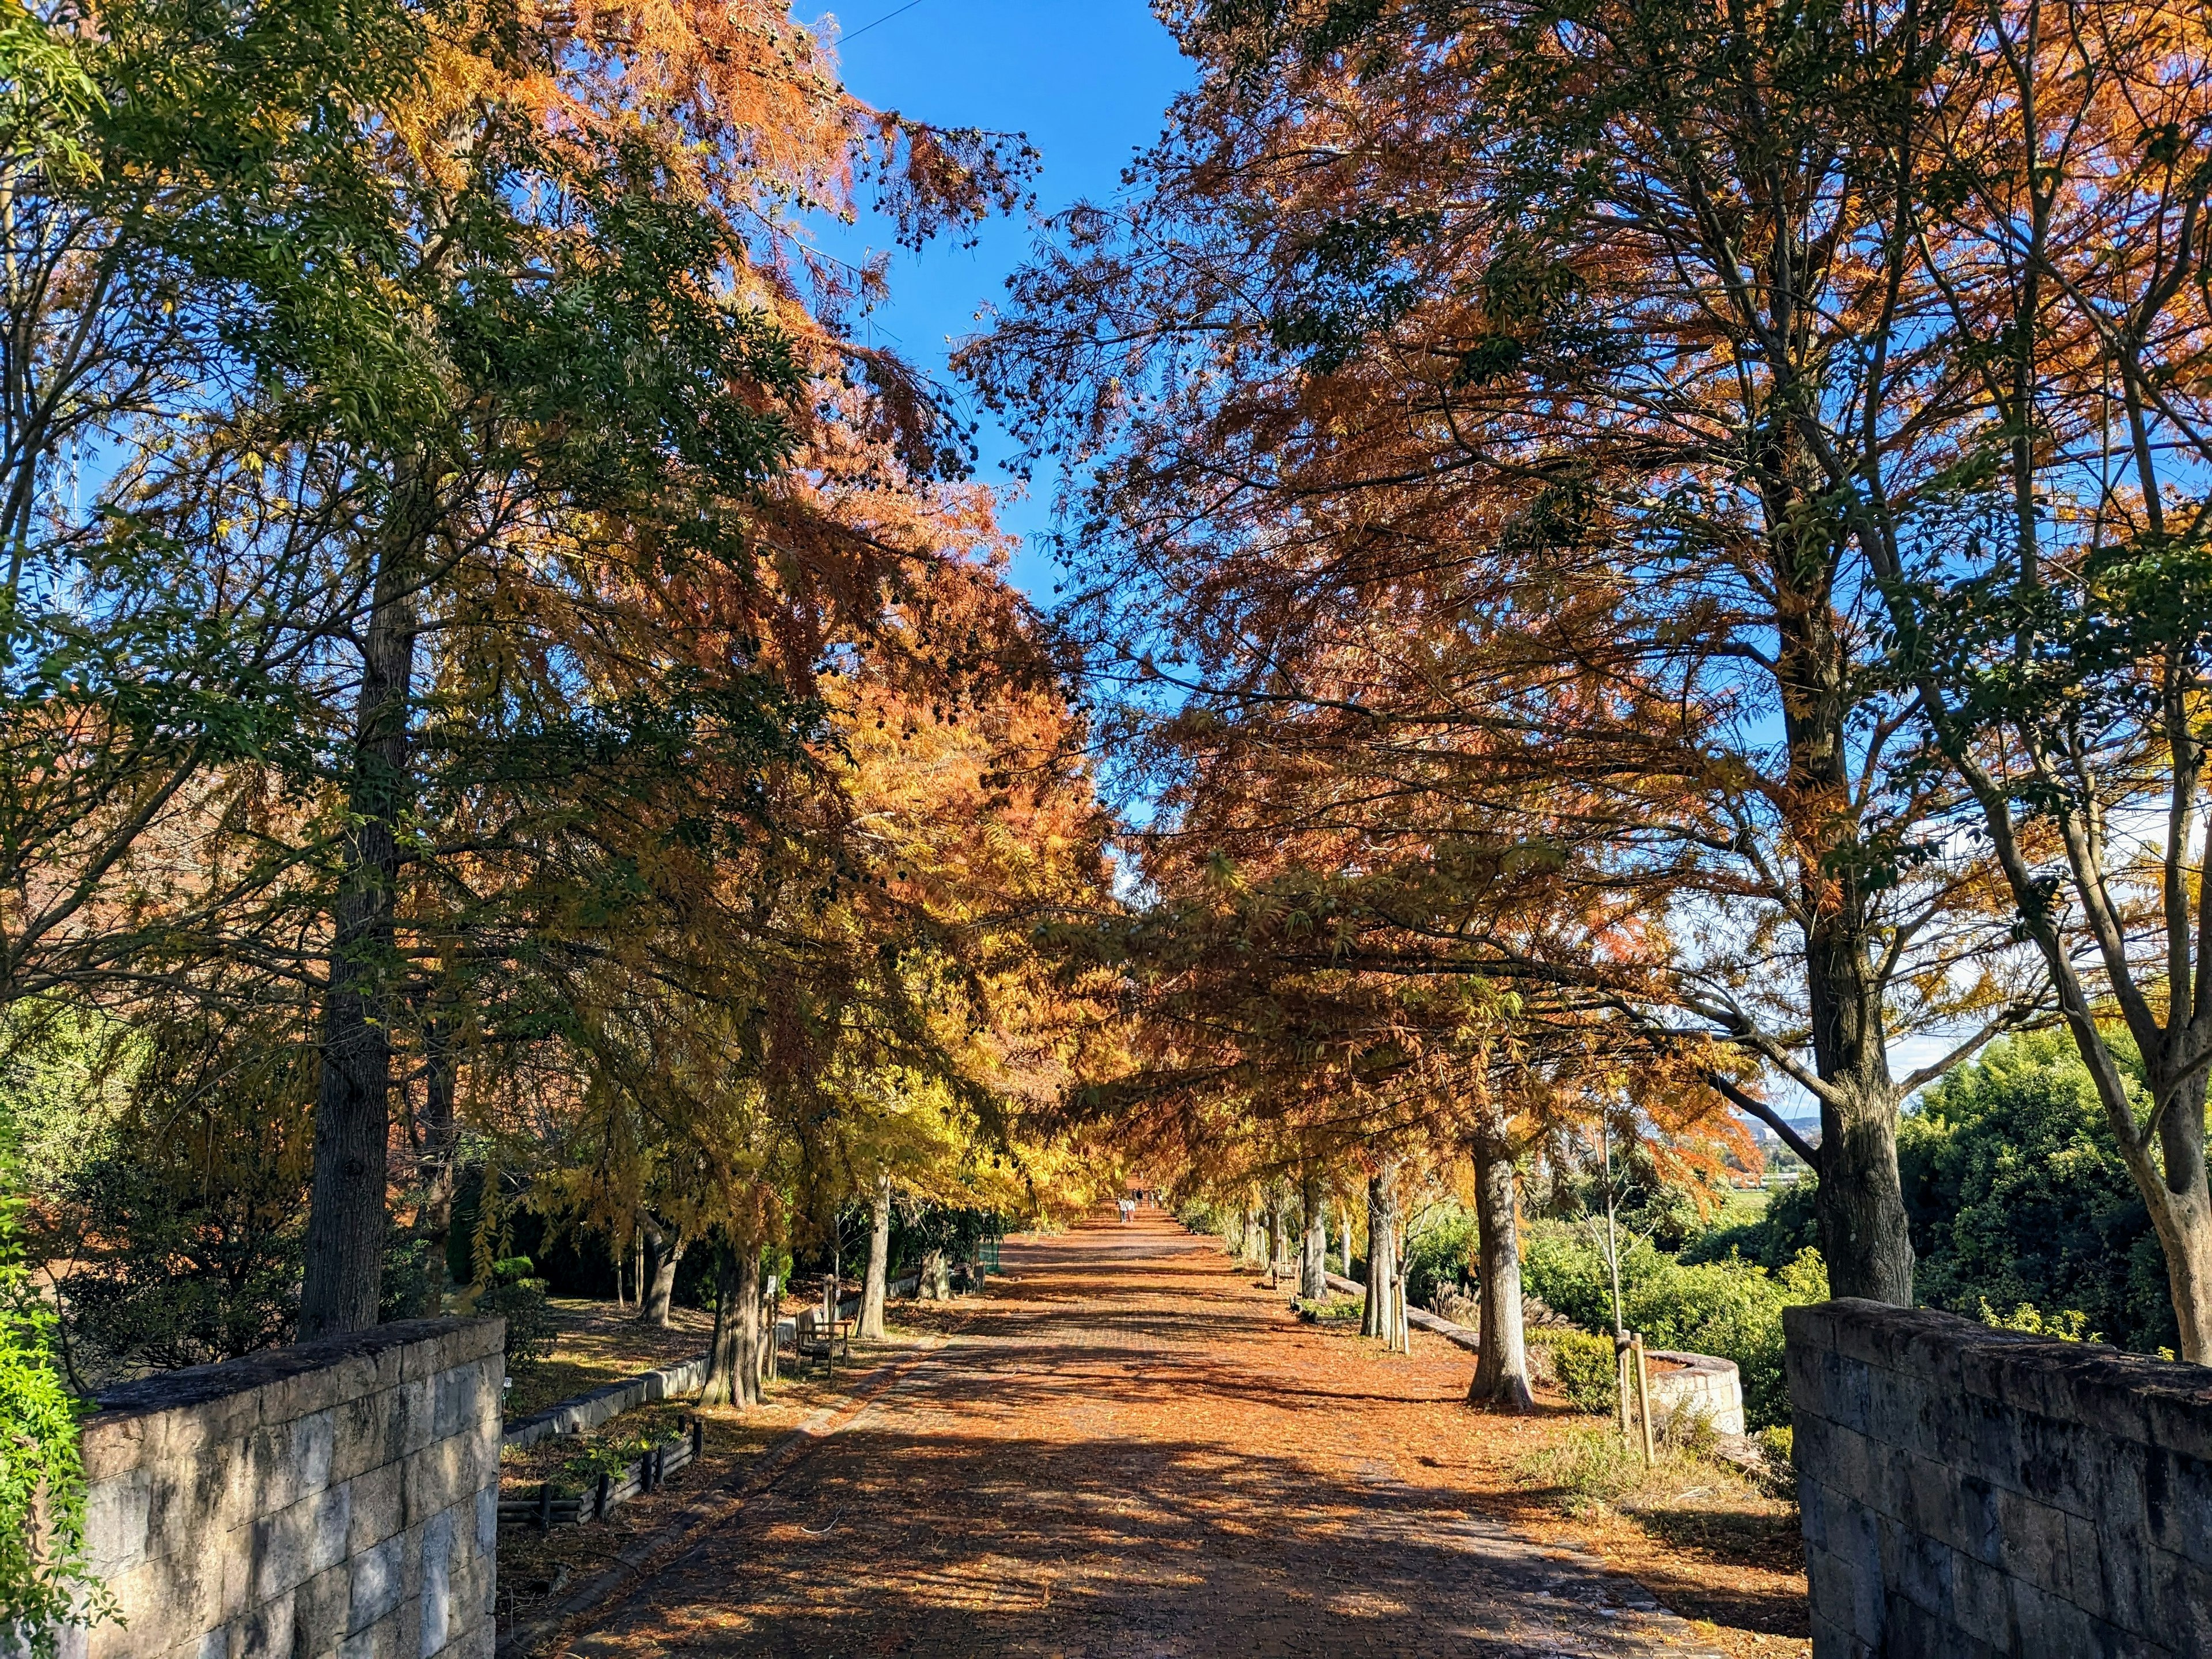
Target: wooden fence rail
547	1507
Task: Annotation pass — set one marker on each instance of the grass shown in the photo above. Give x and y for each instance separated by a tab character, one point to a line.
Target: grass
1591	1467
1687	1498
1743	1204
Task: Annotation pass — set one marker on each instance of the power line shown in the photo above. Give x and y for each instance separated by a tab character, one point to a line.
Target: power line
879	23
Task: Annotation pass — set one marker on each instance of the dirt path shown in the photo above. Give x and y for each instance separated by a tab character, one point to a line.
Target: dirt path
1128	1449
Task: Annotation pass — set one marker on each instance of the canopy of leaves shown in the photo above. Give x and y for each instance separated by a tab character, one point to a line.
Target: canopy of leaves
2018	1194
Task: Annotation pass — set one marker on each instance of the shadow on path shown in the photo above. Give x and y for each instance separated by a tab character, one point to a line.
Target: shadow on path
1123	1452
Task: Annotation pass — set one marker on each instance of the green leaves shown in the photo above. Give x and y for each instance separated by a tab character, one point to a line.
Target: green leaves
2019	1196
45	1580
47	98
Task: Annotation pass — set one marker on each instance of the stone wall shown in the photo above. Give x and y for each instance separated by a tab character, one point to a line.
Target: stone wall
611	1400
338	1499
1701	1383
1971	1492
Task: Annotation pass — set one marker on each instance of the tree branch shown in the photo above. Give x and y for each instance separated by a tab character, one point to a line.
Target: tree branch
1766	1115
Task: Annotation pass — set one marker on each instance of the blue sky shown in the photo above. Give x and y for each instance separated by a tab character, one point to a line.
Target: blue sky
1087	81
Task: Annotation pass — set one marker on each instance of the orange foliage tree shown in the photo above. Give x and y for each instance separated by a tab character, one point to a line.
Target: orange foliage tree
1407	445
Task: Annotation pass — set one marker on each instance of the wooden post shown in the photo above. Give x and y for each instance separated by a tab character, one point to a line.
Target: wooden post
698	1438
1643	1397
1621	1385
545	1506
605	1496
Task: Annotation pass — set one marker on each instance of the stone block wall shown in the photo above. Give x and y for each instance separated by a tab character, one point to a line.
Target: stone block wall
1970	1492
1701	1383
338	1499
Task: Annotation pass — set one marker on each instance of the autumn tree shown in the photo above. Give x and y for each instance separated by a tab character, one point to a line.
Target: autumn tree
1478	344
837	992
1315	993
593	221
2048	207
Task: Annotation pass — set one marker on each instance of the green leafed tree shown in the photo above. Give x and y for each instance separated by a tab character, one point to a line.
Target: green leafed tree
2018	1194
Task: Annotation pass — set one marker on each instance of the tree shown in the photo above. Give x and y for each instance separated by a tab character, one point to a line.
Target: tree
1309	992
842	993
615	372
2049	608
2018	1194
178	180
172	1234
1436	383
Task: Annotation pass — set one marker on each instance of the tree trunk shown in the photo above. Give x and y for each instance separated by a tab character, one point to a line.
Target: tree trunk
1313	1255
1860	1202
667	1255
721	1387
1343	1214
1501	1370
346	1210
2182	1221
1377	1318
733	1364
935	1283
749	1363
2187	1232
2180	1205
1401	1324
772	1318
1274	1237
879	1256
1863	1233
764	1312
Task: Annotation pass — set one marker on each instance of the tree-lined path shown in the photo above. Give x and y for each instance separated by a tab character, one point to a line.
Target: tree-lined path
1128	1449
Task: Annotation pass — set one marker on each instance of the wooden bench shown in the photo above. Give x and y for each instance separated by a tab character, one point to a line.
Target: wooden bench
818	1338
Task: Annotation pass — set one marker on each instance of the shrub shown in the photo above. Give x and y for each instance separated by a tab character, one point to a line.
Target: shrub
179	1206
1732	1309
1441	1253
520	1299
44	1577
1689	1430
1588	1370
1790	1227
2018	1194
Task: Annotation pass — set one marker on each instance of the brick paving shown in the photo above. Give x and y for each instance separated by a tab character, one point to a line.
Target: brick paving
1128	1449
